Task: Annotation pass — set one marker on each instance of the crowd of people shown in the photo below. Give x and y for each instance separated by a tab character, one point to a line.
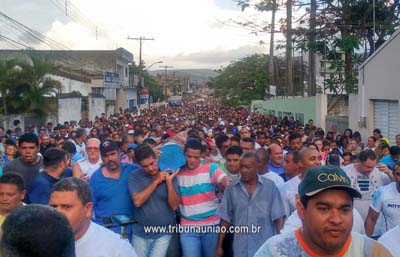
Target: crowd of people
198	180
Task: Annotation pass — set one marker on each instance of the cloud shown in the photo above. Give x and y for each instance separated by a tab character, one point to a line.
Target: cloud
186	32
217	57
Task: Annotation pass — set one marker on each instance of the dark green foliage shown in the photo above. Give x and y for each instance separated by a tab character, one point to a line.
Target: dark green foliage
26	87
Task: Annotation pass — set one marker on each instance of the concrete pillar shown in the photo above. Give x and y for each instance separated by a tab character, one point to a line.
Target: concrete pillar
321	110
69	108
97	105
121	99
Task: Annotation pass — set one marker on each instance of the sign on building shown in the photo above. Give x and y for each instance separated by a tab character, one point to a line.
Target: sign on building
111	80
272	90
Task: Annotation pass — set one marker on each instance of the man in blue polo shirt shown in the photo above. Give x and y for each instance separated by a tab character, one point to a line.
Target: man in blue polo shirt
252	202
109	185
155	198
55	162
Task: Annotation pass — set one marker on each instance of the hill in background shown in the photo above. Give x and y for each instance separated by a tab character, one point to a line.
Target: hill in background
198	76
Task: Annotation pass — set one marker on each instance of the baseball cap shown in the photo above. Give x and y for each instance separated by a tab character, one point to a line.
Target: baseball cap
132	146
108	146
318	179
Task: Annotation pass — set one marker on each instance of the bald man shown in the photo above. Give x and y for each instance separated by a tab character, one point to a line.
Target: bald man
85	168
275	154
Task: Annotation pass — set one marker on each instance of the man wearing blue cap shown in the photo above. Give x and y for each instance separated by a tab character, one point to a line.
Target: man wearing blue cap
109	185
325	206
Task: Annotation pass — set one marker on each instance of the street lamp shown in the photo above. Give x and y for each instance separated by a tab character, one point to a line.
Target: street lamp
151	65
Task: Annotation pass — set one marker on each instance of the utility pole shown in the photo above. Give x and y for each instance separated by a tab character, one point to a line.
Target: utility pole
165	78
289	59
140	64
312	87
271	47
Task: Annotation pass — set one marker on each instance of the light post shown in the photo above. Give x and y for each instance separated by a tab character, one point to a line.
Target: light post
151	65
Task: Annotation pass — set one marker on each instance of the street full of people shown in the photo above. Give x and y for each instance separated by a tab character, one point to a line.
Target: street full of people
197	180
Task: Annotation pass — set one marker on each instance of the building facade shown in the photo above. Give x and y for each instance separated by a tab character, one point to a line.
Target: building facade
377	103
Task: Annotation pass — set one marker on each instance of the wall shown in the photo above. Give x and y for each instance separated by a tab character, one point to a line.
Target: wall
7	121
378	80
97	106
69	85
131	94
69	109
121	99
296	107
110	109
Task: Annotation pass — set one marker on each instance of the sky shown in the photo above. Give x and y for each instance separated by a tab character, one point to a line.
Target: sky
187	33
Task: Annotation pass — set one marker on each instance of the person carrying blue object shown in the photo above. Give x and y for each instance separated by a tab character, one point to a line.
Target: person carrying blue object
154	194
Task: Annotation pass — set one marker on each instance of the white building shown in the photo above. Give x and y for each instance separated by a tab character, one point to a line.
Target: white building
377	103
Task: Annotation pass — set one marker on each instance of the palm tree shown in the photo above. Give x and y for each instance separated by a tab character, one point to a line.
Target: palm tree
28	87
8	69
40	88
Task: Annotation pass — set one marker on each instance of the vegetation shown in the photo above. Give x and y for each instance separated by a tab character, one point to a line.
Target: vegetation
25	86
332	27
249	79
155	90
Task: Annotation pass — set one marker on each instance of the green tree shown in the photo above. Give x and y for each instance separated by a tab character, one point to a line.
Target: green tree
242	81
337	25
247	79
27	87
155	89
7	69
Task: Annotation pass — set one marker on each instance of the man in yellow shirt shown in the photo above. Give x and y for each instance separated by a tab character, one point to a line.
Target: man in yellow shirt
12	192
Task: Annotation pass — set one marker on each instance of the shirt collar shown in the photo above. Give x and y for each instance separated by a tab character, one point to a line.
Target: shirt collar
239	181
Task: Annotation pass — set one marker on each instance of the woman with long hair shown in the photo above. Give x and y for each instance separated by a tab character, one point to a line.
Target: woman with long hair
94	133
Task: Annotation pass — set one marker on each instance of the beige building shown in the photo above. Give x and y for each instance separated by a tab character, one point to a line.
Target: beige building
377	103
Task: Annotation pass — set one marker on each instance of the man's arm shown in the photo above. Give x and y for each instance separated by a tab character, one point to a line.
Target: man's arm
370	221
141	197
279	225
173	197
221	237
76	171
223	183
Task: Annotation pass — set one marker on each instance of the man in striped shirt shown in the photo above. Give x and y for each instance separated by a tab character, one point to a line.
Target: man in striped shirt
197	184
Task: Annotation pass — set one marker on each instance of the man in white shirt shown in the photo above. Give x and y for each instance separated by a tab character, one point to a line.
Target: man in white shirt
72	197
263	169
386	201
391	241
366	178
309	157
85	168
79	141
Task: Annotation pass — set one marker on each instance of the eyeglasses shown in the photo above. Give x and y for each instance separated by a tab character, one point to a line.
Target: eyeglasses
92	149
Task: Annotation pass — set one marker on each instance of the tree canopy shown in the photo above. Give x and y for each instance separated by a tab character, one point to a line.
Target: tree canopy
355	28
248	79
26	87
155	90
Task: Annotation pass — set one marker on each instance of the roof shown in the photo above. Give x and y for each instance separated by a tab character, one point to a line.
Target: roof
377	51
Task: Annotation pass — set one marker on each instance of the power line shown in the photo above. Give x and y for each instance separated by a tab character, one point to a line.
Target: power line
75	14
31	34
15	42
